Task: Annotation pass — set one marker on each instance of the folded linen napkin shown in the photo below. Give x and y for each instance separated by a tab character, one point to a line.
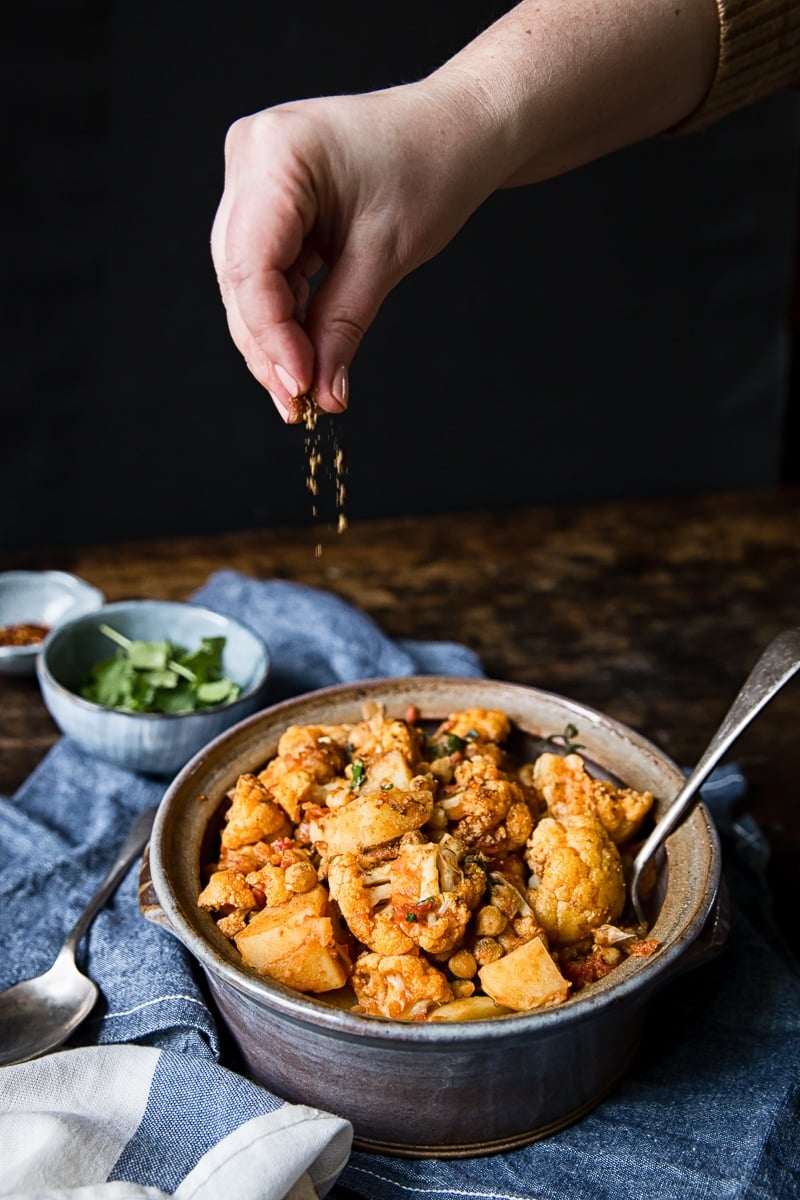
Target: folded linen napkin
709	1109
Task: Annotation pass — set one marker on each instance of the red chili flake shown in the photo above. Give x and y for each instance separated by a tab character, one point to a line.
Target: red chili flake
26	633
411	714
285	843
581	971
410	913
642	949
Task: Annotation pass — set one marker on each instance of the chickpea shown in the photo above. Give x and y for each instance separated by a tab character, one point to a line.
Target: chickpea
489	921
438	818
463	989
462	964
487	950
301	877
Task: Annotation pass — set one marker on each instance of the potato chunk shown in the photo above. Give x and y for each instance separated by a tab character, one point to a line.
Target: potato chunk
375	816
524	979
295	943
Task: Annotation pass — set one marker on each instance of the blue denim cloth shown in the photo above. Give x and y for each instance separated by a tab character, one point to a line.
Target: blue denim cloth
708	1110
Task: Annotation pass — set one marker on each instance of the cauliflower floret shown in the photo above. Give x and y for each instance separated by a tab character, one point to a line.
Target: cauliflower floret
435	919
253	815
363	902
318	749
482	800
581	882
489	724
234	922
378	735
291	787
568	790
403	987
227	890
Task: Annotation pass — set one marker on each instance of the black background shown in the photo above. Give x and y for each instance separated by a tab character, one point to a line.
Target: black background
623	331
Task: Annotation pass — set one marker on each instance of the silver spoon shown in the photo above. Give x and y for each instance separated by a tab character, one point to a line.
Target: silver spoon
774	668
39	1014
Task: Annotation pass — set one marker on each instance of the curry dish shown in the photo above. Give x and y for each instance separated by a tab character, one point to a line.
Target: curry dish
432	873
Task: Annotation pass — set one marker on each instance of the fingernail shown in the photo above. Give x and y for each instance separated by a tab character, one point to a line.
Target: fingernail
340	386
281	407
287	381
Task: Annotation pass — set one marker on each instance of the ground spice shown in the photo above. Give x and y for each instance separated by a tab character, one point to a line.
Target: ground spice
321	444
26	633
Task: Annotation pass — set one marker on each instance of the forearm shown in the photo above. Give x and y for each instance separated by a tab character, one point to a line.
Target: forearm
556	83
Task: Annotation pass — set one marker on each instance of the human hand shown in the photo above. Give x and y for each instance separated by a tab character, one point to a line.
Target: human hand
369	186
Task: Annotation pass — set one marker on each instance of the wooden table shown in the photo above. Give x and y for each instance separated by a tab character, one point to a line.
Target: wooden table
652	612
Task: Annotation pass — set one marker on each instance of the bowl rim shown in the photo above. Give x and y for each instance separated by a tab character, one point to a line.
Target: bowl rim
69	585
49	680
301	1009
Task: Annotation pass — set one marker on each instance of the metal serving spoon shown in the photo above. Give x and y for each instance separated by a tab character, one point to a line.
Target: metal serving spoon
39	1014
774	668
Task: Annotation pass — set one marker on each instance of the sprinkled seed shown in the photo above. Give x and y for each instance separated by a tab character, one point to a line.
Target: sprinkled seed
315	457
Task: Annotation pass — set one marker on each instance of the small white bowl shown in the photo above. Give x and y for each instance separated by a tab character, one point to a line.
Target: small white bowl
150	743
42	598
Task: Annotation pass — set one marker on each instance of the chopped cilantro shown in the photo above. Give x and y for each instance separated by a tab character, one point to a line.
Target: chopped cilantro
159	676
358	773
566	739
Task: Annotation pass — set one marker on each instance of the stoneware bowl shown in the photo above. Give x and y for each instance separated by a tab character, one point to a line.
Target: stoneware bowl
46	598
435	1089
152	743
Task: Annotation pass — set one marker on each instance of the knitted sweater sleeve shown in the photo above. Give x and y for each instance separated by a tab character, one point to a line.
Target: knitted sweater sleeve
759	53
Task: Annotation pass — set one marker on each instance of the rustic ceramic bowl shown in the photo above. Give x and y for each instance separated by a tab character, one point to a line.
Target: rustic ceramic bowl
151	743
435	1089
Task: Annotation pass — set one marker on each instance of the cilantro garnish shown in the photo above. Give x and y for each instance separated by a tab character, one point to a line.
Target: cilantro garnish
358	773
566	739
159	676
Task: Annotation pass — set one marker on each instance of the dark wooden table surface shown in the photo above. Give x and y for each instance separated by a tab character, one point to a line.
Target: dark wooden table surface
653	612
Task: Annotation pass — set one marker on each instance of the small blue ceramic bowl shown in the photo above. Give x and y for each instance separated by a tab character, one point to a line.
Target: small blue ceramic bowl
42	598
151	743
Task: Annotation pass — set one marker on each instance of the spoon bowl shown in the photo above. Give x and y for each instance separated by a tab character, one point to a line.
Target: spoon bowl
39	1014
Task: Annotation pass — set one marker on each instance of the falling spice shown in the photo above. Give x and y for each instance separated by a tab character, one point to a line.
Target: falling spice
320	447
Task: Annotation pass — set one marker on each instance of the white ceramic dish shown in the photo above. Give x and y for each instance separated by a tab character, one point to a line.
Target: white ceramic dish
44	598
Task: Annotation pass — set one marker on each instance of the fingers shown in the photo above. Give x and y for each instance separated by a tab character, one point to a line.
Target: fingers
340	313
300	188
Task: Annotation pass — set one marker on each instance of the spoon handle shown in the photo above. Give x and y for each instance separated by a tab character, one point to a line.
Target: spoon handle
133	845
774	668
